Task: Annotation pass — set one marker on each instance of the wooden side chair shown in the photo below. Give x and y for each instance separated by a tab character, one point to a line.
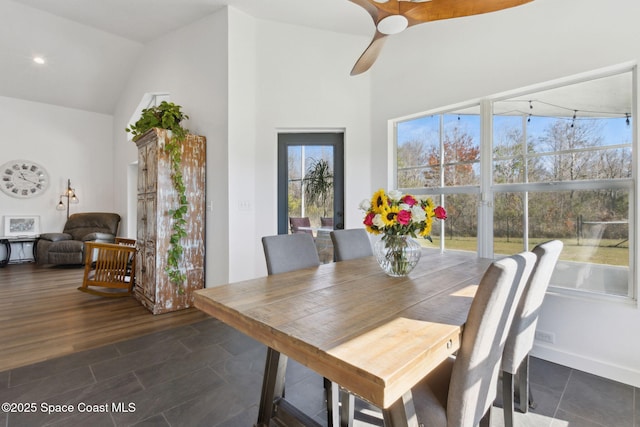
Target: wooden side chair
124	241
111	267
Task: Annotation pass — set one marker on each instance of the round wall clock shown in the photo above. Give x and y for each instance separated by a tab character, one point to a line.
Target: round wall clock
23	178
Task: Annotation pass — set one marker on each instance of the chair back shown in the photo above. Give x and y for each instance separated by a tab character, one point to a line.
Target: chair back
522	333
351	244
296	223
109	266
326	222
124	241
474	377
289	252
81	224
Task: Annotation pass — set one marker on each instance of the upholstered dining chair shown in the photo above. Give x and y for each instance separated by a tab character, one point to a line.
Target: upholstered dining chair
350	244
290	252
296	223
515	360
461	391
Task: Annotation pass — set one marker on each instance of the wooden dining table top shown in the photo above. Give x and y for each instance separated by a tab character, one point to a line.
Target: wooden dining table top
373	334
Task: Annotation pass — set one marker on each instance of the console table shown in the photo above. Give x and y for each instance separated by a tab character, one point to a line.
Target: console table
7	241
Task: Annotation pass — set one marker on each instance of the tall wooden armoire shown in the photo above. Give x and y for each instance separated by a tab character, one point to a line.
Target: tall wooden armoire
156	196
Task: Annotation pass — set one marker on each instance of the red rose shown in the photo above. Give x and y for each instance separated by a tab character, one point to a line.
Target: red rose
404	217
440	212
409	200
368	220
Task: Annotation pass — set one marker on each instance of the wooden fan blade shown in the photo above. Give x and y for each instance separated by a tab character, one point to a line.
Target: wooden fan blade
370	54
435	10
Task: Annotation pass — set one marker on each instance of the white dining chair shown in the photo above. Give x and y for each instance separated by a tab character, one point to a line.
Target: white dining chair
351	244
289	252
515	360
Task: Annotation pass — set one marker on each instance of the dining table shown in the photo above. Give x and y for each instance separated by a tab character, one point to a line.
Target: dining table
374	335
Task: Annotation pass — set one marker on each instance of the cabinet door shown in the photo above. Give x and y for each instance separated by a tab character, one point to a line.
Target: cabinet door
149	272
142	169
151	169
141	220
151	214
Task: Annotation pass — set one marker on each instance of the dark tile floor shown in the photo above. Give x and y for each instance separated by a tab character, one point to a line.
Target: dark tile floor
207	374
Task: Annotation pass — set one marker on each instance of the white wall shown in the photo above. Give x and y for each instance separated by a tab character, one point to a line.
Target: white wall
240	80
304	83
190	64
69	144
241	146
447	62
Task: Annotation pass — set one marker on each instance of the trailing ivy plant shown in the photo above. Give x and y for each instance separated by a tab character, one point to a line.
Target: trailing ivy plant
168	116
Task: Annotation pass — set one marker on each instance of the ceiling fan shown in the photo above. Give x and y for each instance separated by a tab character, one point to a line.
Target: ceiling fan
394	16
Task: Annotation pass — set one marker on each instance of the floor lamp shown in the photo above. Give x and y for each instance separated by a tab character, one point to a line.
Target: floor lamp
70	194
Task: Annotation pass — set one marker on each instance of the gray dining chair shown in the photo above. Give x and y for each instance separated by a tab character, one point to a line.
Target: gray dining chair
350	244
461	391
515	360
290	252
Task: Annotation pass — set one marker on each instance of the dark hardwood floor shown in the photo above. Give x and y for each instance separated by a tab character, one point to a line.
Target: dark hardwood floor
62	347
44	316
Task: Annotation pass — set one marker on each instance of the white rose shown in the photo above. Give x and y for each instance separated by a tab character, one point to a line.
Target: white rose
377	221
395	194
418	214
365	205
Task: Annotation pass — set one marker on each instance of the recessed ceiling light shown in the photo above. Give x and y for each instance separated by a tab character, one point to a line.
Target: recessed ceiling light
38	60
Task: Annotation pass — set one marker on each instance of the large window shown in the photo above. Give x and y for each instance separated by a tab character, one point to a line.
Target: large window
560	162
439	155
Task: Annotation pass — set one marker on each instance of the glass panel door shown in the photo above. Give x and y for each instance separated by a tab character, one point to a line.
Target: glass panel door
310	186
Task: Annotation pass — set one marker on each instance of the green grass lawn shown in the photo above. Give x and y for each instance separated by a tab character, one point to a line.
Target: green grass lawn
611	252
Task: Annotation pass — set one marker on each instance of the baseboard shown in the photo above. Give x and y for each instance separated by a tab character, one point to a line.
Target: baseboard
596	367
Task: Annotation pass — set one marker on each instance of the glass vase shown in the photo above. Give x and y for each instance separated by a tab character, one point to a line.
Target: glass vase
397	255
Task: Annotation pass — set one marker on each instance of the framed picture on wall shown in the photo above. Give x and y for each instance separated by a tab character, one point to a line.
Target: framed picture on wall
24	225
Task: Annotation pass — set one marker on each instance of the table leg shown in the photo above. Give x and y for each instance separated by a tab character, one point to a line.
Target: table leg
402	413
347	409
272	385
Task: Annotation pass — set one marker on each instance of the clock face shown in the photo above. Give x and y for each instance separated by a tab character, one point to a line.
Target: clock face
23	178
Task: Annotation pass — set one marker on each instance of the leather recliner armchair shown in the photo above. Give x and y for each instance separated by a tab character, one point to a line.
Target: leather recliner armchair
68	247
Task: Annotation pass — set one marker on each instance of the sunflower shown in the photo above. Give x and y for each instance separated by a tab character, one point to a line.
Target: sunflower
389	215
379	201
426	231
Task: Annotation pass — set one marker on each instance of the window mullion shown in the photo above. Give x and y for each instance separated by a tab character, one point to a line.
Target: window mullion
485	205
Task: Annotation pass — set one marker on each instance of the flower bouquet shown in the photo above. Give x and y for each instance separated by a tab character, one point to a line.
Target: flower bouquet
399	218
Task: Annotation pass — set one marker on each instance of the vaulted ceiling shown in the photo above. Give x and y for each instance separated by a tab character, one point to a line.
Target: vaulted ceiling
91	46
